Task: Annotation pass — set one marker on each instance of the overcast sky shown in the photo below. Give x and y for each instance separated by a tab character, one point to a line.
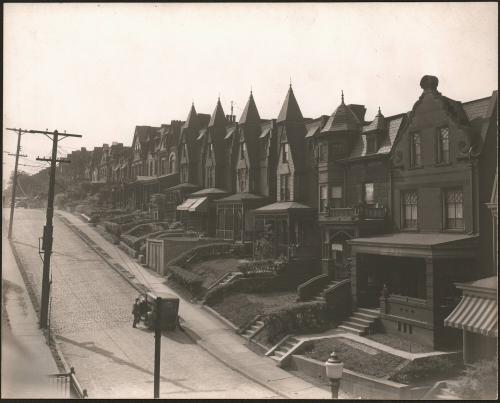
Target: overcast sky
100	70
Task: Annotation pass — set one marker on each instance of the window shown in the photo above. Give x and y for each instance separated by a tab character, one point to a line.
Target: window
454	201
415	150
242	151
163	166
185	173
323	198
443	151
410	201
210	178
171	163
323	152
284	152
285	187
336	197
369	193
371	144
242	180
210	150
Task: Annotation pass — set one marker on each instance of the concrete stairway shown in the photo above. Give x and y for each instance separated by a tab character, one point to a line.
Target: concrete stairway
253	329
440	391
284	348
360	321
321	294
226	278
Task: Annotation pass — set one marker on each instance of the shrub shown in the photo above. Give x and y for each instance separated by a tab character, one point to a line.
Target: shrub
478	382
187	279
304	317
176	225
426	369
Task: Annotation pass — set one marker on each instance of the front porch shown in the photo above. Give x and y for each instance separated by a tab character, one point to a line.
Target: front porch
235	216
287	230
410	277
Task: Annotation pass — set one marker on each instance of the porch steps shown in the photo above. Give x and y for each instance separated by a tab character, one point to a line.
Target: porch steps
253	329
284	348
320	297
360	322
229	277
441	391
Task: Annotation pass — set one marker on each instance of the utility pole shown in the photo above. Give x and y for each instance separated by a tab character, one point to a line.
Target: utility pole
14	182
48	229
156	377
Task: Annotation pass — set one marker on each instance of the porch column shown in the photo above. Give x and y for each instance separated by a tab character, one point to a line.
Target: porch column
429	281
354	290
466	346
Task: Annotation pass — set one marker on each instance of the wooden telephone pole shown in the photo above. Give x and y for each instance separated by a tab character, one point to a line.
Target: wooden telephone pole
48	229
14	181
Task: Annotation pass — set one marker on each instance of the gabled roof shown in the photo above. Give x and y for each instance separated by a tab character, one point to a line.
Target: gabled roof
314	126
241	197
229	132
250	113
378	123
477	108
218	118
342	119
192	121
283	206
209	191
393	125
290	110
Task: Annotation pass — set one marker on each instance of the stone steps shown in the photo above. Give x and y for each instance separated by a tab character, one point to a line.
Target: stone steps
284	348
253	329
360	321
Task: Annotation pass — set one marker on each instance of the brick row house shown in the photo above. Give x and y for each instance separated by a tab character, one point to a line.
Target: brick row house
395	204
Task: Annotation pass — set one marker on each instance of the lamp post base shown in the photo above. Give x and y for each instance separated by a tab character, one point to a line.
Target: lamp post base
335	385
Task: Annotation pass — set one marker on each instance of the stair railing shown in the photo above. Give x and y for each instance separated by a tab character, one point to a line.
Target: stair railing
311	287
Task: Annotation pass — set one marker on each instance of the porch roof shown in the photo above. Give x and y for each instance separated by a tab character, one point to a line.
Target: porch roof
145	179
208	191
240	197
184	185
282	207
425	244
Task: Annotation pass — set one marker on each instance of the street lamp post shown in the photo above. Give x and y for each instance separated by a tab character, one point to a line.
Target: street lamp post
334	368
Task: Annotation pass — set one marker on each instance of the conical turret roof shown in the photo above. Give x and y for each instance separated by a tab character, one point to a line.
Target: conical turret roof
342	119
250	113
192	119
218	118
290	110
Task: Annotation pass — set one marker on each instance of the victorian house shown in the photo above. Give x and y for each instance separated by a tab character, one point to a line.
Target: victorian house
439	165
289	225
246	147
353	181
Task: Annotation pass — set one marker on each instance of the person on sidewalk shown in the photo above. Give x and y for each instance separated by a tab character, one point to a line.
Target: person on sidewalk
136	311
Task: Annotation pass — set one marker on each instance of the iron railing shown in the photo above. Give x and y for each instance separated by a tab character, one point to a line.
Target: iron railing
67	385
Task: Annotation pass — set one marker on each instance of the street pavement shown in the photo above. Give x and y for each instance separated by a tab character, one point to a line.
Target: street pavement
212	334
26	358
91	314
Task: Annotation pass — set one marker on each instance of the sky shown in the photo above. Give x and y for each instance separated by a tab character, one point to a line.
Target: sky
101	69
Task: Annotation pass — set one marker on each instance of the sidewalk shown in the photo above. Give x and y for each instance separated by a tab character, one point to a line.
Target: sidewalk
211	334
26	358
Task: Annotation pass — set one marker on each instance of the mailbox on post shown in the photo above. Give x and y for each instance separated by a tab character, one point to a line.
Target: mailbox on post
166	306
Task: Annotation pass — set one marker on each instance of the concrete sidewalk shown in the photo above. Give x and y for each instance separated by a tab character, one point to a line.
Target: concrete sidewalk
211	334
26	357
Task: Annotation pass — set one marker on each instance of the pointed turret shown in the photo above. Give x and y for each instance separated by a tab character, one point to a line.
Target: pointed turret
192	119
377	124
250	113
218	117
343	119
290	110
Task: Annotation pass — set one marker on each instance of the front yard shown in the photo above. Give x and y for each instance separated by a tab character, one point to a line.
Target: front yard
240	308
356	356
399	343
212	270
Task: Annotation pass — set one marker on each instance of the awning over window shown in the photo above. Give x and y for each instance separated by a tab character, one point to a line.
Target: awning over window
199	205
475	314
186	204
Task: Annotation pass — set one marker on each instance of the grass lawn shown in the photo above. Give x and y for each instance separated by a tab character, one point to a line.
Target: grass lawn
212	270
356	356
398	343
240	308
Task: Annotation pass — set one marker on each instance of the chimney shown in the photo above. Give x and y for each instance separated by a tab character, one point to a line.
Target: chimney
83	149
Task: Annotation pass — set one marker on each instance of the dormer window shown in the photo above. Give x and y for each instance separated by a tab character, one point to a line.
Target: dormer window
285	150
371	144
323	152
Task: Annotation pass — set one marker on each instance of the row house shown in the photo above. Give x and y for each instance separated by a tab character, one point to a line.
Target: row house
442	169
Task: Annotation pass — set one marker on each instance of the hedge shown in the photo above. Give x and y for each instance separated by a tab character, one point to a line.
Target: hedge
187	279
303	317
255	267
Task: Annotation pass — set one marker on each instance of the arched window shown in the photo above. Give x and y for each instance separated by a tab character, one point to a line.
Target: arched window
171	163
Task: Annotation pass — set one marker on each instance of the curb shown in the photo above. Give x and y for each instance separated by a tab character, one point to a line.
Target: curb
61	363
220	317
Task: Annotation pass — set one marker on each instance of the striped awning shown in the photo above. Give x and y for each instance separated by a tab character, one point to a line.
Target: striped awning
475	314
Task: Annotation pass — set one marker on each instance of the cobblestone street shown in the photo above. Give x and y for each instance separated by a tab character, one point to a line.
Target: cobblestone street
91	314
